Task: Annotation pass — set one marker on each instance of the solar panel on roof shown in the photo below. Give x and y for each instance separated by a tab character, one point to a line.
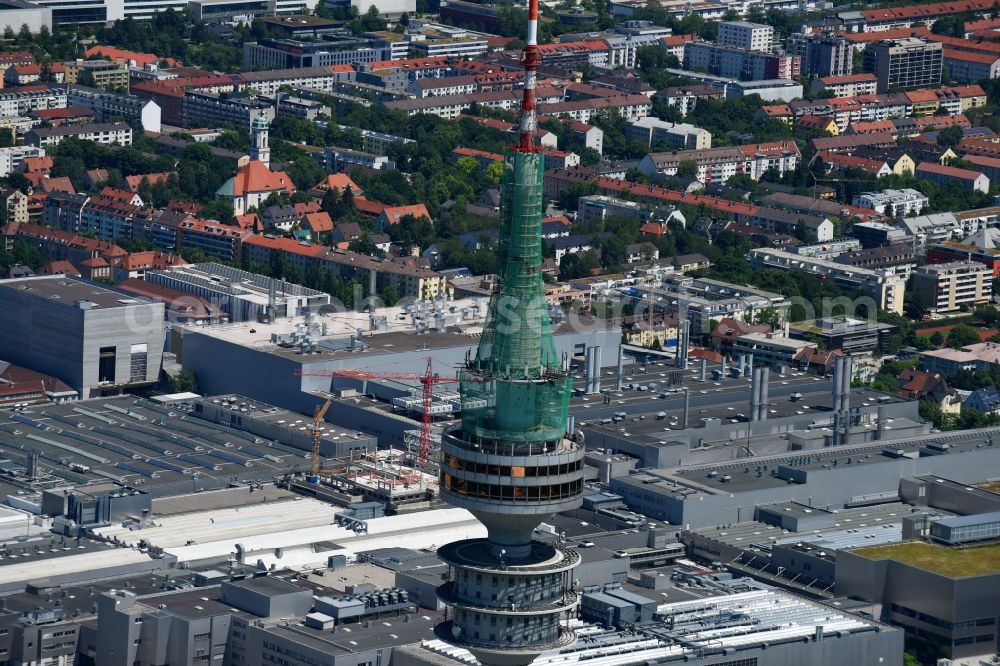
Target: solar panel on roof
166	464
138	470
229	457
201	462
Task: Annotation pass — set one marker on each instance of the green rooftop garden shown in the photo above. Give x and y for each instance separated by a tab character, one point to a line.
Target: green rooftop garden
951	562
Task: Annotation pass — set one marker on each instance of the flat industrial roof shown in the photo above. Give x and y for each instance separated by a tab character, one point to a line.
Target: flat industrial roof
132	441
68	290
743	474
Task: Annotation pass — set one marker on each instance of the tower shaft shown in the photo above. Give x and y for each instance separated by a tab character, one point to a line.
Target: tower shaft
510	462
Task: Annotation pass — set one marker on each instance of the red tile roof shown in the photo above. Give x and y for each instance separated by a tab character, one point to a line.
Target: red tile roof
949	171
114	53
395	213
341	181
916	12
256	177
134	182
318	222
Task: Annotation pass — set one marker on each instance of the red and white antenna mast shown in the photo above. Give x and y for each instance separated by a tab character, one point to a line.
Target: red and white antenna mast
529	119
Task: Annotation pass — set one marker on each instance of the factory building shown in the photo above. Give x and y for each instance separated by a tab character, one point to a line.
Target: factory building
242	295
845	476
98	340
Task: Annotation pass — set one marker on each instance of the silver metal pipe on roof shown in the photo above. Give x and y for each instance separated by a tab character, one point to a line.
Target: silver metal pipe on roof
765	376
845	387
621	366
754	396
687	406
838	371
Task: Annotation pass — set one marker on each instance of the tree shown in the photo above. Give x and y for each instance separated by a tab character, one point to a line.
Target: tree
962	335
950	136
687	169
494	171
389	295
184	382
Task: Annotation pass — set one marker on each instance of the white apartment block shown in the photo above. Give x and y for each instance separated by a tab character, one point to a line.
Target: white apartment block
894	203
652	131
952	286
107	105
884	286
745	35
104	133
11	158
14	104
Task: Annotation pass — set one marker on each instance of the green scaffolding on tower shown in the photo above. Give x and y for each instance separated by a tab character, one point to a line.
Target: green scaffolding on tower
516	389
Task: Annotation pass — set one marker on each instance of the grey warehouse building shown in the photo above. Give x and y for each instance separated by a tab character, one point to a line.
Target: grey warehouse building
98	340
832	478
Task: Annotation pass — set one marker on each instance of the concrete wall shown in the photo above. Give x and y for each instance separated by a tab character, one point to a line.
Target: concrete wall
948	497
223	367
33	17
924	597
249	596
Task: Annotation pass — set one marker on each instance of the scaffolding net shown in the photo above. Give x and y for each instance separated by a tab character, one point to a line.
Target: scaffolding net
516	388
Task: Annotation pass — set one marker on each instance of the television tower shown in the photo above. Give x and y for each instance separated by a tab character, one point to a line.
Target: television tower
511	461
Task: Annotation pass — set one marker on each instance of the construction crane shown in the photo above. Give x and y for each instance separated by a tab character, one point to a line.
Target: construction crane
316	434
427	380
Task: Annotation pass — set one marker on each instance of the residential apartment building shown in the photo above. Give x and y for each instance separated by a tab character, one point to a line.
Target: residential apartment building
745	35
736	63
894	203
904	63
173	231
966	67
102	74
597	207
406	275
108	104
112	214
104	133
949	251
202	108
885	287
12	157
630	107
953	285
685	98
944	175
823	54
847	85
717	165
19	103
653	131
14	203
876	234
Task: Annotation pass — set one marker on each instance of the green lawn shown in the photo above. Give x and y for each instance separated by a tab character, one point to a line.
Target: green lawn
951	562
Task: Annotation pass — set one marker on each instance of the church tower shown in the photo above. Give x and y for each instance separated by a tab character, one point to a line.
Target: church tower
259	149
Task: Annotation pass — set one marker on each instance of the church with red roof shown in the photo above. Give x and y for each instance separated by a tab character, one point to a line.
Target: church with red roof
255	182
